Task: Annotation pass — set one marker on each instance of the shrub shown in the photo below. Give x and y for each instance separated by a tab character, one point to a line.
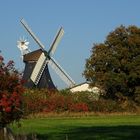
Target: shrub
54	101
11	90
78	107
51	101
35	100
105	106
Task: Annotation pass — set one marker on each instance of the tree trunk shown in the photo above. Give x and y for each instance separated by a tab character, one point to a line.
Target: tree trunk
6	134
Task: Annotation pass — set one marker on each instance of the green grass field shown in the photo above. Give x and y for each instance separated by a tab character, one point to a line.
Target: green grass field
116	127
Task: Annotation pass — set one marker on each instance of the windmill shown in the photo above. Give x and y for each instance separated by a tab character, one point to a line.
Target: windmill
36	73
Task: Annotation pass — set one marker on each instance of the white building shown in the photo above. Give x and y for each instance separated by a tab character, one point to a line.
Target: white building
84	87
93	93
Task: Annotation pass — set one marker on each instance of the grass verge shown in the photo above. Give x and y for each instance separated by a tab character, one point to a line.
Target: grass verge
101	127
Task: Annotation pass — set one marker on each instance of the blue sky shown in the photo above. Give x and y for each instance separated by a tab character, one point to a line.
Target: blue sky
85	22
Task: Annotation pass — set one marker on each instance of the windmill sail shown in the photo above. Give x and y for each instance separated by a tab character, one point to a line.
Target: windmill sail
38	69
56	41
32	34
61	73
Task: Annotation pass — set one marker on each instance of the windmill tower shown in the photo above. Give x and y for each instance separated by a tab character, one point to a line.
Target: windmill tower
36	73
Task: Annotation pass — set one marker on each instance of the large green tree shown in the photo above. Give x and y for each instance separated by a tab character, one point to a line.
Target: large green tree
114	65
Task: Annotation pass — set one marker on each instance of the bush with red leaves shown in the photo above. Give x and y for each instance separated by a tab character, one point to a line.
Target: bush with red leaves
11	90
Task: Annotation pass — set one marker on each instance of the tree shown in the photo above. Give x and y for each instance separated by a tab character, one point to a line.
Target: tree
11	90
114	65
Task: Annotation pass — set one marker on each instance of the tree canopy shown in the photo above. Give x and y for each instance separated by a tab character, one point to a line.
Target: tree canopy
114	66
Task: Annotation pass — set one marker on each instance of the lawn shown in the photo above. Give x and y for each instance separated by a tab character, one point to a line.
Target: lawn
106	127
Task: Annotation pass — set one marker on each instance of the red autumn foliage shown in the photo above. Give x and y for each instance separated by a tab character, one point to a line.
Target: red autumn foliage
11	90
50	101
79	107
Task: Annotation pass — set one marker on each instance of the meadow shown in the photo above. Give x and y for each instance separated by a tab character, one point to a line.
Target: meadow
95	127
